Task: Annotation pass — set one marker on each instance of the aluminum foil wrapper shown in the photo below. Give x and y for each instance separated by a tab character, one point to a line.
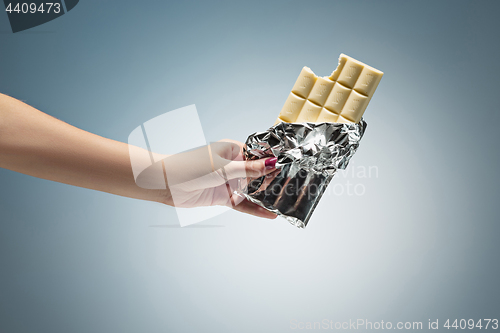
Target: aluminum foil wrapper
308	155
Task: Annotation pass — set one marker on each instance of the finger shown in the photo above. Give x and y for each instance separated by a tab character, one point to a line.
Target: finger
228	149
252	169
242	184
248	207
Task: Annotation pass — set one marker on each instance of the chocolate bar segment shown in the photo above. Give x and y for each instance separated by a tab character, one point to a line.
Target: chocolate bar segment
292	108
305	82
321	90
337	98
355	106
309	113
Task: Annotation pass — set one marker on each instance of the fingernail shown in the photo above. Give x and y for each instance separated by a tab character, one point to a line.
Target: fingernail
271	163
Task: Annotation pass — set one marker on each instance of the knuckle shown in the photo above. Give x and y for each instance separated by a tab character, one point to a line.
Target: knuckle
255	169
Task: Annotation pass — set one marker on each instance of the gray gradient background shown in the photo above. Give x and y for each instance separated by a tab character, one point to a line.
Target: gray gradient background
422	243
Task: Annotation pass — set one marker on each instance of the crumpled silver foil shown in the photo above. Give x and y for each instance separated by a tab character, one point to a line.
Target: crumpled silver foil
308	155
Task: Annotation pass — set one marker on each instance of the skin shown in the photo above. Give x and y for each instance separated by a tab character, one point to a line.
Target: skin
36	144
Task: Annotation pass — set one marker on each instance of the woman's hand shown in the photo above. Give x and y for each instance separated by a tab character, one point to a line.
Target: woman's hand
208	176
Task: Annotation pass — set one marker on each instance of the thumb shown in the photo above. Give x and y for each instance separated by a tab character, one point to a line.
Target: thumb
253	169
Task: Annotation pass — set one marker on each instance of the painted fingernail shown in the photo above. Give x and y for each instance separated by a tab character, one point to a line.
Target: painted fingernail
271	163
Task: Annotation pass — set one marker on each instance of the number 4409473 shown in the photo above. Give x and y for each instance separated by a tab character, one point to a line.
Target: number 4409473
471	324
32	8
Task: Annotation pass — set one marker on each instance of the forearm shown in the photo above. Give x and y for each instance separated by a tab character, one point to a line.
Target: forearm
36	144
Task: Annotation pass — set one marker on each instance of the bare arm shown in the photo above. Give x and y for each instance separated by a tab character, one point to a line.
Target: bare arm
36	144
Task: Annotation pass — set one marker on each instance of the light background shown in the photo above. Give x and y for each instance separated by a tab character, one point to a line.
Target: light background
421	243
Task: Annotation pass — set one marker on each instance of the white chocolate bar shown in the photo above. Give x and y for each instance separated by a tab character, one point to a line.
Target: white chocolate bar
342	97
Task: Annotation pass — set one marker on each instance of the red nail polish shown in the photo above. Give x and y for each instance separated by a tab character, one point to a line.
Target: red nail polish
271	163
